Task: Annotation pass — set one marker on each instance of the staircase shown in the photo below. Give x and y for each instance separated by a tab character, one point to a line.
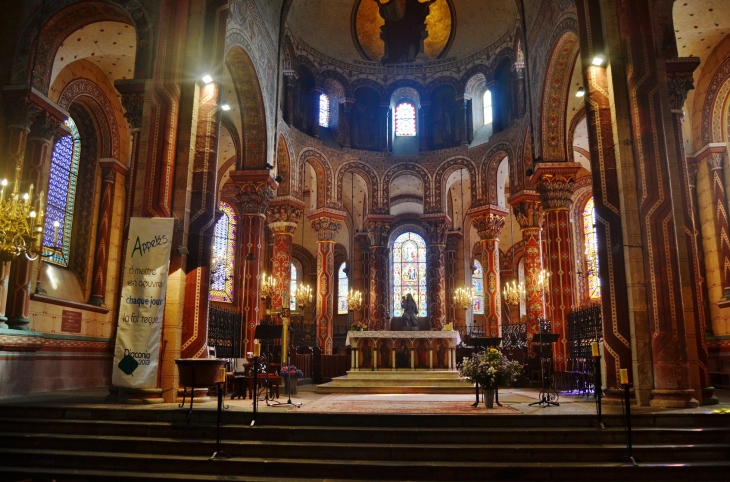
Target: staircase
397	381
85	444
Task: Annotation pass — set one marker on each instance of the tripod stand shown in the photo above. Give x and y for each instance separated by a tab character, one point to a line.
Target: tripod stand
548	396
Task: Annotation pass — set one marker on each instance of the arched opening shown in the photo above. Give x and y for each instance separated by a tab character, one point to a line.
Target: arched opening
409	272
590	244
487	109
405	120
324	110
343	287
293	287
222	267
477	286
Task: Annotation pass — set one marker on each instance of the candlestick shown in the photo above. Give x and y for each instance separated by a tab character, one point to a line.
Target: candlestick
624	374
256	350
222	374
594	348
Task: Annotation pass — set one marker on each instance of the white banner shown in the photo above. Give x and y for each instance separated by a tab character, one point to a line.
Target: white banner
137	351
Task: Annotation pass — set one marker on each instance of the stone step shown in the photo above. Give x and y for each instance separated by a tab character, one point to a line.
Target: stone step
394	382
373	388
402	374
284	467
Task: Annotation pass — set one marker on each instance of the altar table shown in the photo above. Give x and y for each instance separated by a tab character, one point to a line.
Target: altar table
404	350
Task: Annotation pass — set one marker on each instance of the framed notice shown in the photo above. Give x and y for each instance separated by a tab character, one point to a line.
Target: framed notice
71	321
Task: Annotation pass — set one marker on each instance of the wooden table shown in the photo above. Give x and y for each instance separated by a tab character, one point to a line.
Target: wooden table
244	384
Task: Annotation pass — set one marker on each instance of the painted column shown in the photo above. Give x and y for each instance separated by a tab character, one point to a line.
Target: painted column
437	229
556	184
363	241
607	198
38	157
529	215
424	127
326	222
489	221
520	85
290	79
283	218
110	169
252	191
452	247
681	81
378	229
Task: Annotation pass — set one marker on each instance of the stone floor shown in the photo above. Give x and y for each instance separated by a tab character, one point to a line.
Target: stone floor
517	398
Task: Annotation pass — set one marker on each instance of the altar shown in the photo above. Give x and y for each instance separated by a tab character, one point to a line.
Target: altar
402	350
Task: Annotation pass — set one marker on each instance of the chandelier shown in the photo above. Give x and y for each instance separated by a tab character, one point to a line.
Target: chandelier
464	297
21	225
304	296
268	286
542	279
513	292
354	300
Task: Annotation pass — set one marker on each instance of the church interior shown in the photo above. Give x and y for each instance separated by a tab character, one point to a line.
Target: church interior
448	170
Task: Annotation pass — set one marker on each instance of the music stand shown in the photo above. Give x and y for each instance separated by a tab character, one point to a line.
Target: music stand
548	395
268	333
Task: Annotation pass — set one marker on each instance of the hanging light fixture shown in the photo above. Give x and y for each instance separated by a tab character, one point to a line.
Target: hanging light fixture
464	297
21	223
513	292
268	286
304	296
354	300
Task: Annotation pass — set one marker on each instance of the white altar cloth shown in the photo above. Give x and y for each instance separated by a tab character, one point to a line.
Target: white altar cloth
366	356
451	336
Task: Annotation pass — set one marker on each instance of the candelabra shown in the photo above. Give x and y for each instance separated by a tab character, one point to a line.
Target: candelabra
464	297
354	300
21	224
513	292
304	296
268	286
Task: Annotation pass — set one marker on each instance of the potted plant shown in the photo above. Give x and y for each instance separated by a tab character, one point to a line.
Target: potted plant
490	369
289	373
359	326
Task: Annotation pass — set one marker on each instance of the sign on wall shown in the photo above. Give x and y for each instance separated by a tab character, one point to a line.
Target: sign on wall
142	305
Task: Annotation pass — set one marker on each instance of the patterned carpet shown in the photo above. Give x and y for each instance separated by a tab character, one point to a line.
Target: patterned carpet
410	404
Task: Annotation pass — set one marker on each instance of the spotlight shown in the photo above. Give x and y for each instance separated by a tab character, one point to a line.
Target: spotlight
598	60
581	92
183	251
269	166
278	179
207	79
226	107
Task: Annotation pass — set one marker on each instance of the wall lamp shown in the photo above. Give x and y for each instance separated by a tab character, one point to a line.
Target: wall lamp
598	60
581	92
207	79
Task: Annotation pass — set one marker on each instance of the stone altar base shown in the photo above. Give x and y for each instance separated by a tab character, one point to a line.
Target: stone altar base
398	381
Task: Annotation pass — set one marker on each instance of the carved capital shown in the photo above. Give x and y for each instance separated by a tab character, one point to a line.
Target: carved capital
556	192
453	240
680	79
437	230
488	225
528	213
132	100
21	112
378	230
45	127
251	190
283	218
327	223
715	160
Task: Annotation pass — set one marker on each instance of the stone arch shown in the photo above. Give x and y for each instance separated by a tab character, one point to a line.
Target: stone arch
442	175
283	166
403	84
352	88
452	81
718	93
577	118
47	29
490	164
323	171
366	172
410	169
253	114
335	79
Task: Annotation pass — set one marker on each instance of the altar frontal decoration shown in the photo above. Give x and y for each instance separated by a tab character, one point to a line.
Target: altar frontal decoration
137	349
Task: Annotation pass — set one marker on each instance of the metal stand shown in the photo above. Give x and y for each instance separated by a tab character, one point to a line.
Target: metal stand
288	386
219	454
629	447
192	395
598	389
254	395
548	395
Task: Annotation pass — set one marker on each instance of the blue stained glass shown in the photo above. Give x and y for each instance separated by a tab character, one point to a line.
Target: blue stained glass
61	196
343	285
477	285
224	249
409	272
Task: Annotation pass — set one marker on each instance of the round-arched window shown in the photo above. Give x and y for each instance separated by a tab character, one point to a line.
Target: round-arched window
409	272
405	119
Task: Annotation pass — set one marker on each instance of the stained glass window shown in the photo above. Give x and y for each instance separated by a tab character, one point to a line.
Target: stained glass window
487	107
224	249
591	250
405	119
477	286
61	195
293	288
324	110
343	285
409	272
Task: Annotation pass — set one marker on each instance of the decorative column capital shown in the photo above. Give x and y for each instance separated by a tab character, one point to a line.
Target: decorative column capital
378	229
527	209
453	240
290	76
23	105
712	152
46	127
252	190
437	228
680	75
327	223
488	220
112	165
715	160
132	91
556	183
284	216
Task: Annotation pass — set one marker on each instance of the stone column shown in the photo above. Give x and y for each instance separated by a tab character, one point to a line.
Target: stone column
252	191
556	184
424	132
37	157
326	222
362	241
283	218
110	170
461	122
452	248
437	229
290	82
520	87
378	229
722	226
680	73
385	131
529	215
607	197
488	221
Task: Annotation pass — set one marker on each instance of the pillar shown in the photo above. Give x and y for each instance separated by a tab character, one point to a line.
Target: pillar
461	122
362	240
488	221
520	85
290	82
378	229
326	223
111	170
529	215
556	183
252	191
437	229
452	247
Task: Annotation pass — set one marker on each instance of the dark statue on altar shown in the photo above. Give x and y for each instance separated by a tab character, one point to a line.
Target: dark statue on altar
404	30
410	310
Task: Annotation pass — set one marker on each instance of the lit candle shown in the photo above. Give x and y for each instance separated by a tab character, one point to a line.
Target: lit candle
222	374
56	225
624	373
594	348
256	350
3	183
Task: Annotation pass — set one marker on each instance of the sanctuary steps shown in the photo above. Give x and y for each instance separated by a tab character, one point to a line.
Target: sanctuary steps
397	381
156	444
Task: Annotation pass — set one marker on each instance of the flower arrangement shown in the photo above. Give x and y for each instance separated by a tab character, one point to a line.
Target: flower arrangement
291	371
359	326
490	369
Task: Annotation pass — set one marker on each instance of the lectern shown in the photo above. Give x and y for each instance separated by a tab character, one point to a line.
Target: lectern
548	395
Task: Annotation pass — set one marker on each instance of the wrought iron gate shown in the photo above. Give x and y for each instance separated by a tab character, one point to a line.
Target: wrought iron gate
224	332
